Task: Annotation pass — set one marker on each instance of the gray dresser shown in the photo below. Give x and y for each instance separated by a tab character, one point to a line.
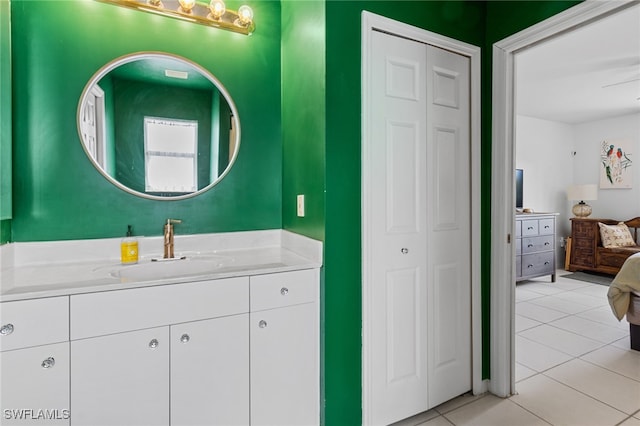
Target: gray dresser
535	245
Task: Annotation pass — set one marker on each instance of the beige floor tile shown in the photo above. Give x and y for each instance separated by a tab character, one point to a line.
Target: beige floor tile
621	361
523	294
493	411
562	305
542	288
561	340
558	404
588	328
458	402
594	290
583	299
604	316
438	421
606	386
537	312
523	372
524	323
538	357
623	344
631	421
418	419
568	284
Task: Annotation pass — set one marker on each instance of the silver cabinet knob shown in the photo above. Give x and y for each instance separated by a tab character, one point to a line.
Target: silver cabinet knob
284	291
185	338
6	329
48	363
404	250
262	324
153	343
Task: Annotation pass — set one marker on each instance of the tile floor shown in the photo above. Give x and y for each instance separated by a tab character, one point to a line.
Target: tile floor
574	365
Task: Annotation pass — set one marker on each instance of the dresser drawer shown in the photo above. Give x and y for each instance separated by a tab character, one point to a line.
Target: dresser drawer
535	244
97	314
529	227
34	322
283	289
538	263
546	226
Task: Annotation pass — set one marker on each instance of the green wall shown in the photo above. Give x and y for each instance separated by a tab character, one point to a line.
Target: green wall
5	121
303	114
59	45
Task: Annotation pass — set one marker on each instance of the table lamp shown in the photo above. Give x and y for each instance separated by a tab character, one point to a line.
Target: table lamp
588	192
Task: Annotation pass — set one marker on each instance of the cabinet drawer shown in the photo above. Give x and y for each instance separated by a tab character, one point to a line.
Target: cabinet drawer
529	227
546	226
535	244
539	263
283	289
109	312
34	322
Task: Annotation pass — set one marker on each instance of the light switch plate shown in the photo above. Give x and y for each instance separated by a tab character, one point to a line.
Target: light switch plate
300	205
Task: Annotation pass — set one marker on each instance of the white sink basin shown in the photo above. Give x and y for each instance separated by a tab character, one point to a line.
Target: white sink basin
163	269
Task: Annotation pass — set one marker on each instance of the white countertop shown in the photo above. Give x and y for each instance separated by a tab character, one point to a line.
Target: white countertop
46	269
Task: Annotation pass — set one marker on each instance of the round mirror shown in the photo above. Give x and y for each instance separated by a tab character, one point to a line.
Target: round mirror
158	126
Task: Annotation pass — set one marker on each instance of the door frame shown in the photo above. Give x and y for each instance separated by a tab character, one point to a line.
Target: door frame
502	329
371	21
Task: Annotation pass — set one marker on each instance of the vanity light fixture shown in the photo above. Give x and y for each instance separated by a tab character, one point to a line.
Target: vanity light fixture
214	14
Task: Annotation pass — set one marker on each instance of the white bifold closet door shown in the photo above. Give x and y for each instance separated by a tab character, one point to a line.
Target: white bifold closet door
419	235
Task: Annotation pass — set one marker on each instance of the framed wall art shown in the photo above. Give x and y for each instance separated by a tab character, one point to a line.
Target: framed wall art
615	160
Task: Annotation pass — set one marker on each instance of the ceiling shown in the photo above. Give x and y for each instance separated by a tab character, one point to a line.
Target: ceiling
590	73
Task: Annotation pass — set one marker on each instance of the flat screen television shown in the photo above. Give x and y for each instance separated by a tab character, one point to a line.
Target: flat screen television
519	188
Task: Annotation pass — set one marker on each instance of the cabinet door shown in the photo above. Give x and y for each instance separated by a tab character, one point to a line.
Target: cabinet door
121	379
284	366
35	385
210	372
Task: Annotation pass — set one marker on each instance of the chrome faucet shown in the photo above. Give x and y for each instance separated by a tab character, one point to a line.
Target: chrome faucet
168	238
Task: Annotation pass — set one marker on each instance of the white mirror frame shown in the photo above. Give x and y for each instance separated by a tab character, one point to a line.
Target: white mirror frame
159	55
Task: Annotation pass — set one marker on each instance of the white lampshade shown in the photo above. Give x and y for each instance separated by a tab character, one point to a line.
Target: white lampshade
586	192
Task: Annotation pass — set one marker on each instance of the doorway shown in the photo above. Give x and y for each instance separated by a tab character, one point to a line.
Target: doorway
403	291
503	160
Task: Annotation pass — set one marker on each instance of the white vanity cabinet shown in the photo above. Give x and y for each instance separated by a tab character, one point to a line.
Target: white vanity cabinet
209	374
284	333
121	379
35	385
227	351
191	369
34	362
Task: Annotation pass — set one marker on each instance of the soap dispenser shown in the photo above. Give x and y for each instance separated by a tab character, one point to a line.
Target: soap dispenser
129	248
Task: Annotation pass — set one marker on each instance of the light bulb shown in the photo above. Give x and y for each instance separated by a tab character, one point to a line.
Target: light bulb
187	5
245	15
217	8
